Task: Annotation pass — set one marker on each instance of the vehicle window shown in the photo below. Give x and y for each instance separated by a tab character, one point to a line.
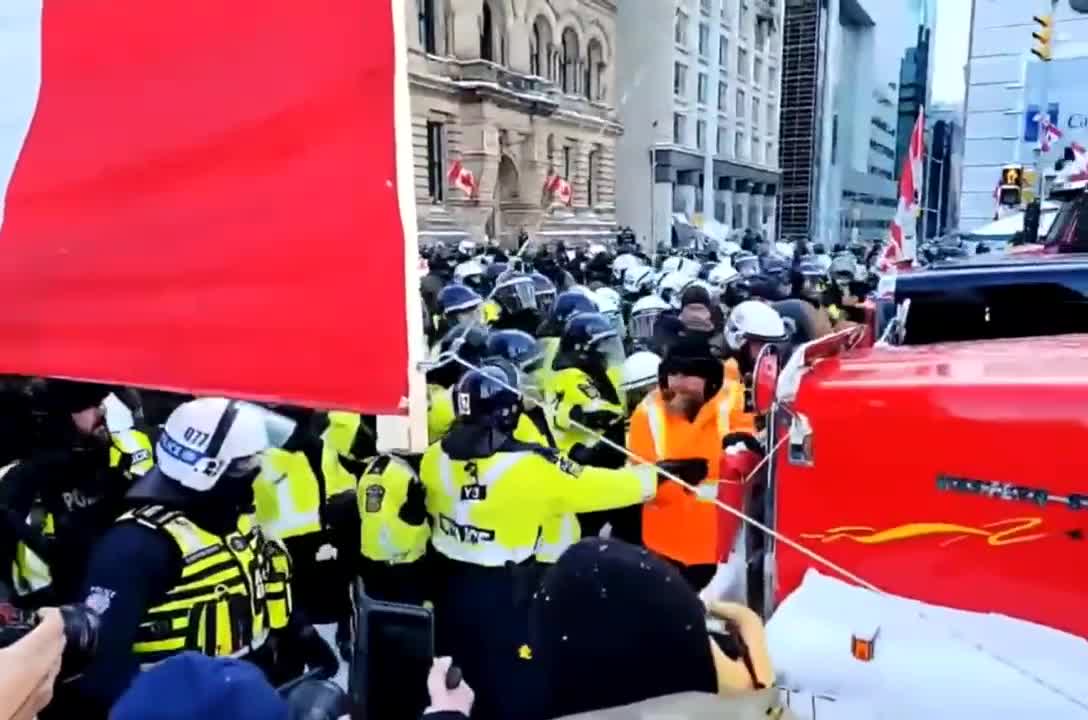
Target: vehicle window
1054	304
1069	231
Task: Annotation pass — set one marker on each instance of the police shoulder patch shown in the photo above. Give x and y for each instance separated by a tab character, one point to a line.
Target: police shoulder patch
375	495
590	391
568	466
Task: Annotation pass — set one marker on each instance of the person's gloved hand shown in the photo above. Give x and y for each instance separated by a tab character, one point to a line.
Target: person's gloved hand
597	419
414	510
690	470
446	699
737	440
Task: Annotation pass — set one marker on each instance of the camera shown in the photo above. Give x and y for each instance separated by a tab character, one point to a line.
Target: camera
80	631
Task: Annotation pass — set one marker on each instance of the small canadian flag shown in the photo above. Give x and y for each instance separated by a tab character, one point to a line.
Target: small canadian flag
461	177
558	189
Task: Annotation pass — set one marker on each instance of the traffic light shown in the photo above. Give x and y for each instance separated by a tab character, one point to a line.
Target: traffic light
1043	37
1011	185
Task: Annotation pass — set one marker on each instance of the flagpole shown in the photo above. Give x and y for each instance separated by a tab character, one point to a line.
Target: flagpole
1044	114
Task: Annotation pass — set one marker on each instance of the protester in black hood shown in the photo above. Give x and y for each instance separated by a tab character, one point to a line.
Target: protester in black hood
614	624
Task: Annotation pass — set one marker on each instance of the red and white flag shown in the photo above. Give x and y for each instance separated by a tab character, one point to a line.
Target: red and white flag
1048	131
193	193
1079	169
899	247
558	190
462	178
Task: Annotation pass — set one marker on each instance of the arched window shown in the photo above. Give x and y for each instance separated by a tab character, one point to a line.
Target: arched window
487	38
541	49
534	51
428	24
568	68
593	86
592	188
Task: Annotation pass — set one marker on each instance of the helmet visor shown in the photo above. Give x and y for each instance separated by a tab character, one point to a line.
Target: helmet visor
280	428
545	299
642	324
616	318
747	267
516	295
610	349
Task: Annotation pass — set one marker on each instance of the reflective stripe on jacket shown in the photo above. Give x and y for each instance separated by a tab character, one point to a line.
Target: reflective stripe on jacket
232	589
489	511
680	524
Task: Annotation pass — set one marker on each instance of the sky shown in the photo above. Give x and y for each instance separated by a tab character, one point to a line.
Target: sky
950	54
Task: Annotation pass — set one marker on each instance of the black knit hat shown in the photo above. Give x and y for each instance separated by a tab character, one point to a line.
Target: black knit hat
71	396
614	624
692	354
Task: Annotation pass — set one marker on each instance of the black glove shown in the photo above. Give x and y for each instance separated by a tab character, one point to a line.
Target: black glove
414	509
597	420
747	439
690	470
600	455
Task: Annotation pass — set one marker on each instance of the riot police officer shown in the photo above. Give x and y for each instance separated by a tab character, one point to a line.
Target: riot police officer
488	496
462	345
186	568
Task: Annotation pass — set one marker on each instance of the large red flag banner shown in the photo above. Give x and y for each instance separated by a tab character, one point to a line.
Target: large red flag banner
203	196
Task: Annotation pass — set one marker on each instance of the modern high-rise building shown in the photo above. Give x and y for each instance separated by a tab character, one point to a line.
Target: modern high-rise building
944	166
1005	83
516	92
698	82
842	111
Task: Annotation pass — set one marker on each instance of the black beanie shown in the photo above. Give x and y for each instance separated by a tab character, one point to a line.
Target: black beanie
71	396
614	624
692	354
695	295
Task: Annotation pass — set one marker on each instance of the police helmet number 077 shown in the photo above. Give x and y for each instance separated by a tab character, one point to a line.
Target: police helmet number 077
196	437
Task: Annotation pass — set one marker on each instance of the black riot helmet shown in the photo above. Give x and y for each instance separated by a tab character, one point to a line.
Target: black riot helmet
485	398
520	348
567	304
515	292
545	292
466	342
589	340
458	303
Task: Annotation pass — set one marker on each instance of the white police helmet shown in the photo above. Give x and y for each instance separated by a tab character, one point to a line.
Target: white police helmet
208	438
640	371
608	304
672	286
754	320
622	264
644	314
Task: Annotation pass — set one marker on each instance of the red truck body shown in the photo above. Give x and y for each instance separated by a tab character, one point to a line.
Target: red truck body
951	473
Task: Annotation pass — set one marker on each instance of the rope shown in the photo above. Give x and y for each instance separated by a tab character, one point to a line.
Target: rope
798	547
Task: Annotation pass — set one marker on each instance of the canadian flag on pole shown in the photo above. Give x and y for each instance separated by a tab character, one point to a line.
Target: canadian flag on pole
1048	131
180	182
558	189
899	247
462	178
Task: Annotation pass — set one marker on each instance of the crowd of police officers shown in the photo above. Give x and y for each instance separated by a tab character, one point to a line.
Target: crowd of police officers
233	529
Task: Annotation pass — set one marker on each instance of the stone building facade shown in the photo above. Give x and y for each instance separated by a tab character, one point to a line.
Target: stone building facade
515	90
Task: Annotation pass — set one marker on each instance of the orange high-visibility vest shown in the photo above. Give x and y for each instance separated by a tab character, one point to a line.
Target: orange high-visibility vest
677	523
